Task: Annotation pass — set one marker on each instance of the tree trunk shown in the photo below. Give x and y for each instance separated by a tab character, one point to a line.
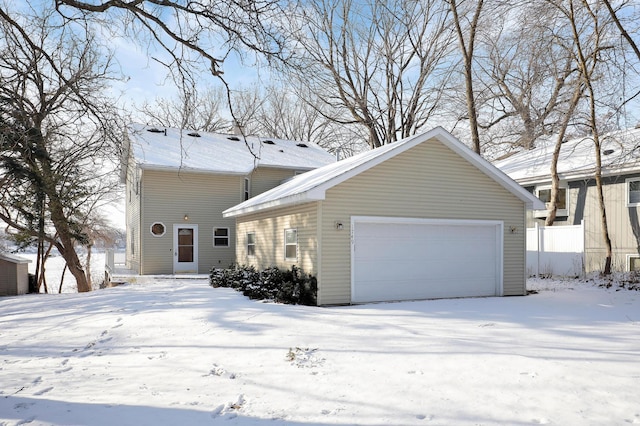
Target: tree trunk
467	49
555	179
62	278
88	265
471	108
68	252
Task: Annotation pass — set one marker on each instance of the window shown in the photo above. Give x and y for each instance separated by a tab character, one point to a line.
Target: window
246	189
251	243
562	200
633	262
221	237
158	229
633	192
291	244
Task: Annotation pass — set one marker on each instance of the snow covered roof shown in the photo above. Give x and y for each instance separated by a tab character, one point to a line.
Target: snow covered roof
620	155
13	259
311	186
170	148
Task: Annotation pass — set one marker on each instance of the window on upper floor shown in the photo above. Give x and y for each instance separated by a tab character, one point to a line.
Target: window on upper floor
633	192
562	200
247	187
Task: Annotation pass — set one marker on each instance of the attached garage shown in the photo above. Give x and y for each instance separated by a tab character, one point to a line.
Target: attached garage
406	259
421	218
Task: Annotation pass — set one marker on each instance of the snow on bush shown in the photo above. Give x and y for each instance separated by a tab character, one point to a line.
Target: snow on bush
283	286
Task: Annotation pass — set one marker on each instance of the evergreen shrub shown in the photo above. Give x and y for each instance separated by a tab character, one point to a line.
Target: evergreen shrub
283	286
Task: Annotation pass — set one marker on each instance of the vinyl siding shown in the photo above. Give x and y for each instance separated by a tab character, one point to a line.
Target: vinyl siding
167	197
269	229
14	278
428	181
623	222
265	178
132	218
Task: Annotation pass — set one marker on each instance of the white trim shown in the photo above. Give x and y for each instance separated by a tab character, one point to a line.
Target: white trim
7	257
499	229
157	168
310	189
157	235
559	212
228	236
290	259
192	266
246	188
247	243
626	191
629	257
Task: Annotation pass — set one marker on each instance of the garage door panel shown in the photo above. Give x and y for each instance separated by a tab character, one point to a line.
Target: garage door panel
419	260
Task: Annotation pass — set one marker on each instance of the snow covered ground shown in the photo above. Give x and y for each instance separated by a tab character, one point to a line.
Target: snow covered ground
178	352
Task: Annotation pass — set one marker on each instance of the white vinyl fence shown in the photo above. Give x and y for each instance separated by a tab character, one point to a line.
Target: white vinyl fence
555	250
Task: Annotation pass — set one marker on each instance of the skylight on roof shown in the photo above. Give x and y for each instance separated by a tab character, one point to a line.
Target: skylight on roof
302	145
269	142
233	138
608	151
155	130
194	134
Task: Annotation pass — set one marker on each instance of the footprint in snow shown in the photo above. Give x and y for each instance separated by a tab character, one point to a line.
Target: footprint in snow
26	421
63	370
424	417
43	391
23	406
635	420
220	372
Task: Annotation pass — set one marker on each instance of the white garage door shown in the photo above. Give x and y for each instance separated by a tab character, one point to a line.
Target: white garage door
405	259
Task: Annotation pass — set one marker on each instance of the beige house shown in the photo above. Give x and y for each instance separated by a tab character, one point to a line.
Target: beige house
577	200
14	275
178	183
421	218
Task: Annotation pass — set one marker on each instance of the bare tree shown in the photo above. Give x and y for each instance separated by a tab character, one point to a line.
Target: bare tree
281	113
189	37
197	109
58	133
590	30
381	65
465	21
528	76
615	14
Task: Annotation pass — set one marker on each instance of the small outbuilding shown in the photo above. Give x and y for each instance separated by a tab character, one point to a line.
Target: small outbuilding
14	275
421	218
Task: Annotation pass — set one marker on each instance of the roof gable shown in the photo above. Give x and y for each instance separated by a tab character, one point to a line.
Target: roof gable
312	186
620	155
220	153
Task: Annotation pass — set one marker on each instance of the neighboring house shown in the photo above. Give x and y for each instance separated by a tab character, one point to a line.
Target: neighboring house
14	275
577	199
420	218
178	183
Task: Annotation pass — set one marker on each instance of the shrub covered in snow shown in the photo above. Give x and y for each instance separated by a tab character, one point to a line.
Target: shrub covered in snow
283	286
